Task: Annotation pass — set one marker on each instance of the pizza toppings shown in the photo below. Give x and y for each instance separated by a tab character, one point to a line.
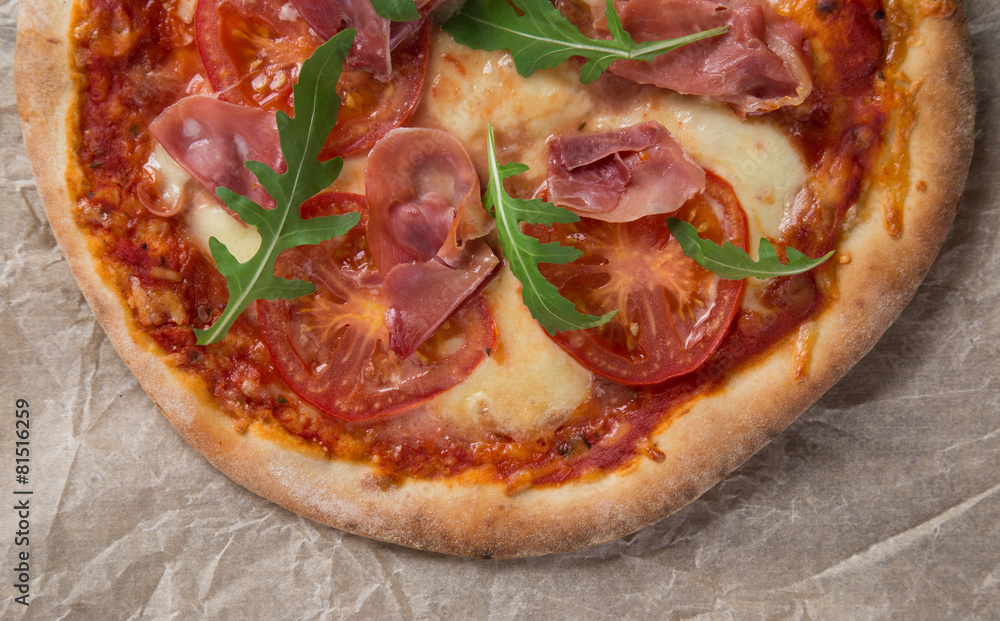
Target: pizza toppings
377	35
342	325
733	263
524	253
211	139
332	346
737	51
424	196
426	227
538	36
622	175
370	50
761	63
253	50
283	227
672	313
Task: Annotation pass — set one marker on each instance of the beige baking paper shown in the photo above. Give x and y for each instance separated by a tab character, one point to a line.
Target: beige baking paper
882	500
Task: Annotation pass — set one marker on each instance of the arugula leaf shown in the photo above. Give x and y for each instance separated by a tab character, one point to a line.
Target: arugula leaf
733	263
396	10
524	253
316	106
538	36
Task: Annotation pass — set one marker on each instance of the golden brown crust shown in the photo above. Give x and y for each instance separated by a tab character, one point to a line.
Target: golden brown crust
703	445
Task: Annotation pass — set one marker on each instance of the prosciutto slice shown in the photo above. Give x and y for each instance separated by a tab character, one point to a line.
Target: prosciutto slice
370	51
761	63
622	175
426	225
211	139
376	36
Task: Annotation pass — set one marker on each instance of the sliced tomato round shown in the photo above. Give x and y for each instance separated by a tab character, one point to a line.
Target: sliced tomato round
252	51
332	347
672	313
369	108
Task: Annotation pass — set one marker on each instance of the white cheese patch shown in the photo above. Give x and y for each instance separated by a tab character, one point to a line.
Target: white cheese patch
528	385
467	89
207	219
204	217
169	177
352	175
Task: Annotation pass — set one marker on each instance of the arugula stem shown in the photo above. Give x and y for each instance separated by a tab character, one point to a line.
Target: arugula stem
658	47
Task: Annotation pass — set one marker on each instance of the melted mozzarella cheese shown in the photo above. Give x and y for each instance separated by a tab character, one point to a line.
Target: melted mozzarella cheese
204	216
528	384
473	88
208	219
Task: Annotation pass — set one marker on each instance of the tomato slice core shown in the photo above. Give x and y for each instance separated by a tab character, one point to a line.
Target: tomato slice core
252	51
332	347
672	313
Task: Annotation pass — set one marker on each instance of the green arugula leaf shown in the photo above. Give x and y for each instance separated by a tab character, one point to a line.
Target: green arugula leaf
538	36
316	106
396	10
523	252
733	263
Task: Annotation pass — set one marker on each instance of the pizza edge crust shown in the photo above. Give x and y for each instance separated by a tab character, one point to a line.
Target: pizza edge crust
459	516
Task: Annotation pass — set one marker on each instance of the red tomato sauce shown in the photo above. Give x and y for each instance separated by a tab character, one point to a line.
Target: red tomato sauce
838	130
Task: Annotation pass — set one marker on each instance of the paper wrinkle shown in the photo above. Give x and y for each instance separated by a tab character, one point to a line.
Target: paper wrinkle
84	418
880	550
965	443
208	572
389	579
64	492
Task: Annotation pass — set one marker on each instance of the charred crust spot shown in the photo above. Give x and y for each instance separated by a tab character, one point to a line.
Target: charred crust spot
826	8
690	492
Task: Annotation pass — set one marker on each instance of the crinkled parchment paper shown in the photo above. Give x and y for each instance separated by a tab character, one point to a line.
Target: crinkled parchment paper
883	500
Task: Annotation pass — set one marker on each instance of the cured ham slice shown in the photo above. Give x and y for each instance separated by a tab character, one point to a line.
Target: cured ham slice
370	51
422	296
376	37
622	175
426	225
761	63
211	139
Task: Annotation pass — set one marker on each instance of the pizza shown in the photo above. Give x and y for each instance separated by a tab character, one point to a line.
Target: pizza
493	278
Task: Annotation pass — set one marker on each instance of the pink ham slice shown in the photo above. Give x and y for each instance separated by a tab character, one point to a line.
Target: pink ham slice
211	140
622	175
426	225
370	51
376	36
762	63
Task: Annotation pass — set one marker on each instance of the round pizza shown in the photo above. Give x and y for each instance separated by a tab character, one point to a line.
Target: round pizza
495	278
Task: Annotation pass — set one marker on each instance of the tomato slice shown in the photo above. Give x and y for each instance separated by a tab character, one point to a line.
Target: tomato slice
252	51
672	313
332	347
